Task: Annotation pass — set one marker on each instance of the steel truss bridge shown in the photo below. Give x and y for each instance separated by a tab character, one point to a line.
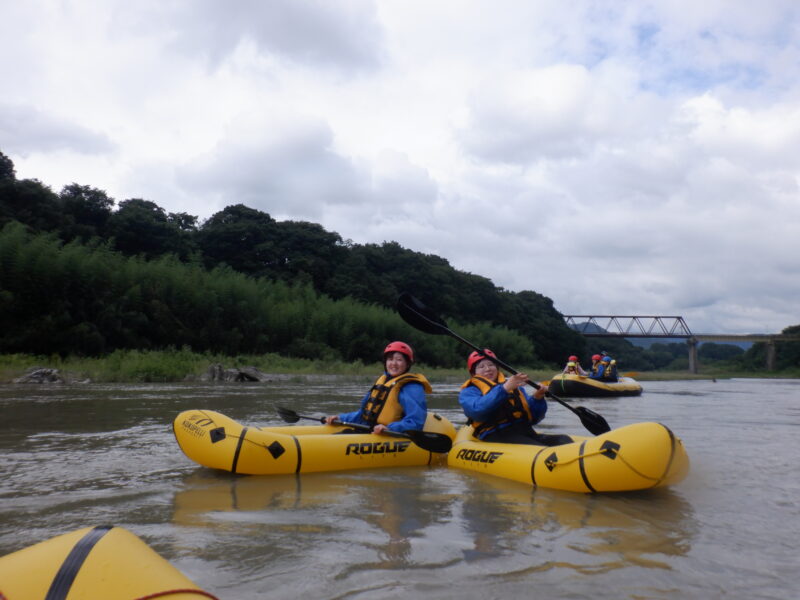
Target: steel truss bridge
653	326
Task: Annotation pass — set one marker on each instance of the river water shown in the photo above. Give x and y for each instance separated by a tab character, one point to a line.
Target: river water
84	455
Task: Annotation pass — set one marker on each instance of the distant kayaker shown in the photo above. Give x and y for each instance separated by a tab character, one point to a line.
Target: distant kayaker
595	363
611	371
573	367
606	371
499	409
397	399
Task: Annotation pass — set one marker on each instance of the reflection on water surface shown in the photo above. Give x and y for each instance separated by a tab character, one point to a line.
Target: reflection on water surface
75	456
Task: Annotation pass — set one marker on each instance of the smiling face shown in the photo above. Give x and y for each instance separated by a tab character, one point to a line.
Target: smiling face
396	364
486	369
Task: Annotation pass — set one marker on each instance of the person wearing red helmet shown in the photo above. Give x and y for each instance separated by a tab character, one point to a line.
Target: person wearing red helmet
499	409
606	370
596	358
573	367
397	399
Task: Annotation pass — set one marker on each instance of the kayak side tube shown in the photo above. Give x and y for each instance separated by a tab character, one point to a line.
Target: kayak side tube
94	562
213	440
579	386
634	457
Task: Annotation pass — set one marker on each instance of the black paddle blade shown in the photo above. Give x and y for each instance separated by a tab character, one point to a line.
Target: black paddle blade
287	414
432	442
592	421
419	316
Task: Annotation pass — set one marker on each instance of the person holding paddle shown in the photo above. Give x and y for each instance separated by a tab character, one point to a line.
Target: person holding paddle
499	409
396	401
573	367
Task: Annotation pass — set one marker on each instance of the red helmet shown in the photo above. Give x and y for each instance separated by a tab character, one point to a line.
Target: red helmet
477	357
573	358
596	357
400	347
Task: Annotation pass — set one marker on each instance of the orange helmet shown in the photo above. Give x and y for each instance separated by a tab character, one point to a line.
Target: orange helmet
400	347
477	357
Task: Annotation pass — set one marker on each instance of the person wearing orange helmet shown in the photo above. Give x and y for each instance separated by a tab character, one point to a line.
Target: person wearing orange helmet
499	409
396	402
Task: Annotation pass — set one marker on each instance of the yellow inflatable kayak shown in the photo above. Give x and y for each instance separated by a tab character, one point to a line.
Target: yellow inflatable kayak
91	563
213	440
634	457
579	386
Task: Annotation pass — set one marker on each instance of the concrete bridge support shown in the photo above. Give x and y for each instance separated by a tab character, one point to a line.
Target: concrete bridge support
770	355
692	343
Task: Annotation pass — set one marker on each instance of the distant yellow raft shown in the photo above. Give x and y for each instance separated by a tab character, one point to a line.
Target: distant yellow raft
634	457
580	386
92	563
213	440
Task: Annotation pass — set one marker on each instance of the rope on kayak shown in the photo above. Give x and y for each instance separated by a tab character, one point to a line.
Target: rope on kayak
603	452
174	592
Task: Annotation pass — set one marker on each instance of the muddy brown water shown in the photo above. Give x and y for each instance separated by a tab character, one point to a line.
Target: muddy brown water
82	455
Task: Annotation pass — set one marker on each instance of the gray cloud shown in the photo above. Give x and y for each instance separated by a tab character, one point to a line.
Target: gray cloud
25	130
344	35
283	169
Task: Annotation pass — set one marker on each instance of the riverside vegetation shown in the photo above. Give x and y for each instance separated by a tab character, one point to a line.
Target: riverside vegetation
137	293
164	366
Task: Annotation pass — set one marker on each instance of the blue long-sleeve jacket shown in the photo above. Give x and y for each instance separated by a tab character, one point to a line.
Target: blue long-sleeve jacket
415	409
482	407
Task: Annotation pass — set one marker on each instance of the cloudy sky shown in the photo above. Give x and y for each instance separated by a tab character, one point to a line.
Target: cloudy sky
628	158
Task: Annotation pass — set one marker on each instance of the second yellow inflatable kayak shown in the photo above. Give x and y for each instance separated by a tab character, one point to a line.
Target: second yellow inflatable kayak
634	457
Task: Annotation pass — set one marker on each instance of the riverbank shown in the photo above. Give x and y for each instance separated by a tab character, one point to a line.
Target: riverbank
169	366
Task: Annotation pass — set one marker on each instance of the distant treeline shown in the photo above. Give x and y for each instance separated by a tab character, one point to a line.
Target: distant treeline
82	274
90	300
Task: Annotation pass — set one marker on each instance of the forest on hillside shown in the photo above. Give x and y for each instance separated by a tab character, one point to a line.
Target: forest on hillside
81	273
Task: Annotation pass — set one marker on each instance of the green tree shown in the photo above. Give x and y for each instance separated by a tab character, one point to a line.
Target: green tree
242	238
142	228
307	250
30	202
7	168
712	351
89	210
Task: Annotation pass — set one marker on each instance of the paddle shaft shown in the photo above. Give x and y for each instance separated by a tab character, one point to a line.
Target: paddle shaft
420	316
427	440
510	369
359	426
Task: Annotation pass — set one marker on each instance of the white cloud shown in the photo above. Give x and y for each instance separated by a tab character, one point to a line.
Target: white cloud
632	157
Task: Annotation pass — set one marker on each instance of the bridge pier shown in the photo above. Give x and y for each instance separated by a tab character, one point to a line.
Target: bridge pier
771	355
692	343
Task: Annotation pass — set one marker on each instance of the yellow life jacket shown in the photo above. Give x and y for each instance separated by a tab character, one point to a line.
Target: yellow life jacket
514	409
383	405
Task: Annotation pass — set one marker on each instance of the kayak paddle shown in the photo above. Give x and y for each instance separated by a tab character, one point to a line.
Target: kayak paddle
419	316
427	440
